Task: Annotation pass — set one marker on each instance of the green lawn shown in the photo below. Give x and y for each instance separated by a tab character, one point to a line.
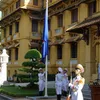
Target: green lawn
20	92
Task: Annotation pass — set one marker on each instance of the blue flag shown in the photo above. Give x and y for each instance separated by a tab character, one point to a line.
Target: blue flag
45	37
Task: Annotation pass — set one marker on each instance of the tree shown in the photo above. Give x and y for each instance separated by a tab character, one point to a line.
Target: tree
33	63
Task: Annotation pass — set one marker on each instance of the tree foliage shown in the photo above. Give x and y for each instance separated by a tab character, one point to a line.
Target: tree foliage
33	62
34	57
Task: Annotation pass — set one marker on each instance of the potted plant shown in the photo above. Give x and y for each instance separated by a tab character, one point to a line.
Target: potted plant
95	89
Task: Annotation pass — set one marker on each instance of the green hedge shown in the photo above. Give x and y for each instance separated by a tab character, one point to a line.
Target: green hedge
32	78
51	77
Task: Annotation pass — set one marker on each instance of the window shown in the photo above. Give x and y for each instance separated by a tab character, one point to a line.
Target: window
35	2
74	15
5	33
10	30
15	72
48	53
73	50
34	25
91	8
49	24
17	27
50	0
60	20
9	55
16	54
18	4
59	51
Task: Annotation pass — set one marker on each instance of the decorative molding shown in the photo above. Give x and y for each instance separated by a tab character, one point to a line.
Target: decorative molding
64	5
10	19
96	39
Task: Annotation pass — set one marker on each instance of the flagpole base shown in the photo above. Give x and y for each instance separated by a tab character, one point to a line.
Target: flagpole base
45	95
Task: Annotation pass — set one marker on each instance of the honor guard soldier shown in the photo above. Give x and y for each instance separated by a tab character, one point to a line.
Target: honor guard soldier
65	82
77	84
41	82
58	83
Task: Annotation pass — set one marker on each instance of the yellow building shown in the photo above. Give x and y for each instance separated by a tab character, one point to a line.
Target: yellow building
73	33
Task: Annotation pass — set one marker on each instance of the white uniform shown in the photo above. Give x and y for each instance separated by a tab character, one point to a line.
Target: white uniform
41	82
65	82
76	86
58	83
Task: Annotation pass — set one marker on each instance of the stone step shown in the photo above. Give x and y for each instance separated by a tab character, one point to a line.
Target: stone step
85	98
86	92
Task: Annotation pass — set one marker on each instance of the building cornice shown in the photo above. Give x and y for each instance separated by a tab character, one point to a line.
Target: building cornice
4	3
64	5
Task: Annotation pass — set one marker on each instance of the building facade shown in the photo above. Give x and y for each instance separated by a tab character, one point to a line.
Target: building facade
74	35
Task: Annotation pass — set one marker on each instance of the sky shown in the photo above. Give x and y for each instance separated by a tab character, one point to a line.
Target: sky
0	14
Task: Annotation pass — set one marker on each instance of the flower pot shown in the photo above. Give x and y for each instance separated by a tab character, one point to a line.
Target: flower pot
95	92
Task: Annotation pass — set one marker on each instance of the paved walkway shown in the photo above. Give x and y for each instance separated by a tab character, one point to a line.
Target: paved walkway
36	99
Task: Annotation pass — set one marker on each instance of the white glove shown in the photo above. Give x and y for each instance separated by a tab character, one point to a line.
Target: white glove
70	85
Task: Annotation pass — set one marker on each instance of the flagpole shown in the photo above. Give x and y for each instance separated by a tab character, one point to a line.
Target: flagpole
46	94
46	69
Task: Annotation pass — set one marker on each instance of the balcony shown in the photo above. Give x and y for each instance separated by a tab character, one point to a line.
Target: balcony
16	63
53	2
16	36
4	3
96	14
48	62
9	63
59	62
3	41
59	31
73	63
9	38
35	35
28	4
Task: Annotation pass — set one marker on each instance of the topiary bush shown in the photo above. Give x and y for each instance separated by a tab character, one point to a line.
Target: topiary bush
31	66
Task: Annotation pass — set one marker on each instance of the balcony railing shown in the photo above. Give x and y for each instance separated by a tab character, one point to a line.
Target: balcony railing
48	62
59	62
16	36
16	63
94	15
73	63
35	35
9	38
3	41
9	63
59	31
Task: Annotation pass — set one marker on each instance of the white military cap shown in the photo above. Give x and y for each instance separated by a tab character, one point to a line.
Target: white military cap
40	69
79	66
60	69
66	69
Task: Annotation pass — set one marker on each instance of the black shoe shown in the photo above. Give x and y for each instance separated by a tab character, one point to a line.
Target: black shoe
65	93
40	93
59	97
